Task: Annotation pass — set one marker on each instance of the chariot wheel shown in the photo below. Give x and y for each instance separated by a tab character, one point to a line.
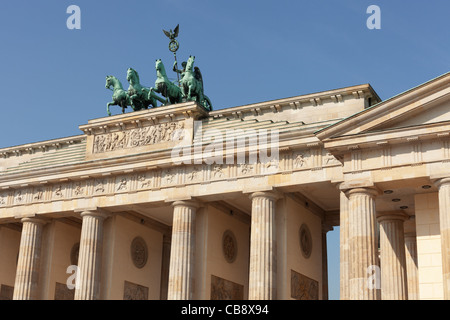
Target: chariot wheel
207	103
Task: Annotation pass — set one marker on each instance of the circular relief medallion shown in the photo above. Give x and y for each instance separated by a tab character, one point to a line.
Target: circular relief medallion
74	253
305	240
229	246
139	252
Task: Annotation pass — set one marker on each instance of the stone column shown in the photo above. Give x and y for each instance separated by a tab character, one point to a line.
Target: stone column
90	256
165	265
444	222
412	274
263	247
344	248
392	255
27	274
363	252
181	271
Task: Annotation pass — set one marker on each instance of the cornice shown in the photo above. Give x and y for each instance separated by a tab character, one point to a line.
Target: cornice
388	106
297	102
394	136
31	148
169	113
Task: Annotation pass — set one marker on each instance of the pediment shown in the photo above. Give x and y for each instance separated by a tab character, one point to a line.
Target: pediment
421	106
433	112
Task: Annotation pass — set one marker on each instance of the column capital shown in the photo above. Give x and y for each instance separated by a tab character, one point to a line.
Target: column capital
273	195
34	219
442	181
391	216
337	184
355	184
370	191
93	212
187	203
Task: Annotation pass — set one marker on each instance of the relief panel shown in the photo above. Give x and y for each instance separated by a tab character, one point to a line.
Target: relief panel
303	288
222	289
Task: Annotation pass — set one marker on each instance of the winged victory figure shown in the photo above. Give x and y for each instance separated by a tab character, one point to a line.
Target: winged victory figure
172	34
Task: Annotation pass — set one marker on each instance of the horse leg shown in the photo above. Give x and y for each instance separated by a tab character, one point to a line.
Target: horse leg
190	93
123	105
153	96
107	107
132	99
183	90
166	94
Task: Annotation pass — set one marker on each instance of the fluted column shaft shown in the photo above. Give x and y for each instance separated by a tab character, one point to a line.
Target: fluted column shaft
444	221
90	256
182	253
344	248
263	247
27	274
363	250
412	275
392	256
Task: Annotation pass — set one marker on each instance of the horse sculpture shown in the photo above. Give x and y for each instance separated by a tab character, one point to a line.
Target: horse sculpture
192	85
140	97
164	86
120	96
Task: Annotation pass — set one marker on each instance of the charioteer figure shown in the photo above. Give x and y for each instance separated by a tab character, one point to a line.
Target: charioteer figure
180	72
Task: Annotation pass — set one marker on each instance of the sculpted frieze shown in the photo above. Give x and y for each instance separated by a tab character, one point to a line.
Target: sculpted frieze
300	160
194	174
138	137
99	186
144	180
58	191
169	177
78	189
38	194
218	171
122	184
156	178
20	196
246	168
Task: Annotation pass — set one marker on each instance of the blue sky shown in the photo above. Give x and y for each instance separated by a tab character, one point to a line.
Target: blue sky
52	79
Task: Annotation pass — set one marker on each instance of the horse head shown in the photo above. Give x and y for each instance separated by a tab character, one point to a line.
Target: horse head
108	82
190	63
159	65
113	81
132	75
160	70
